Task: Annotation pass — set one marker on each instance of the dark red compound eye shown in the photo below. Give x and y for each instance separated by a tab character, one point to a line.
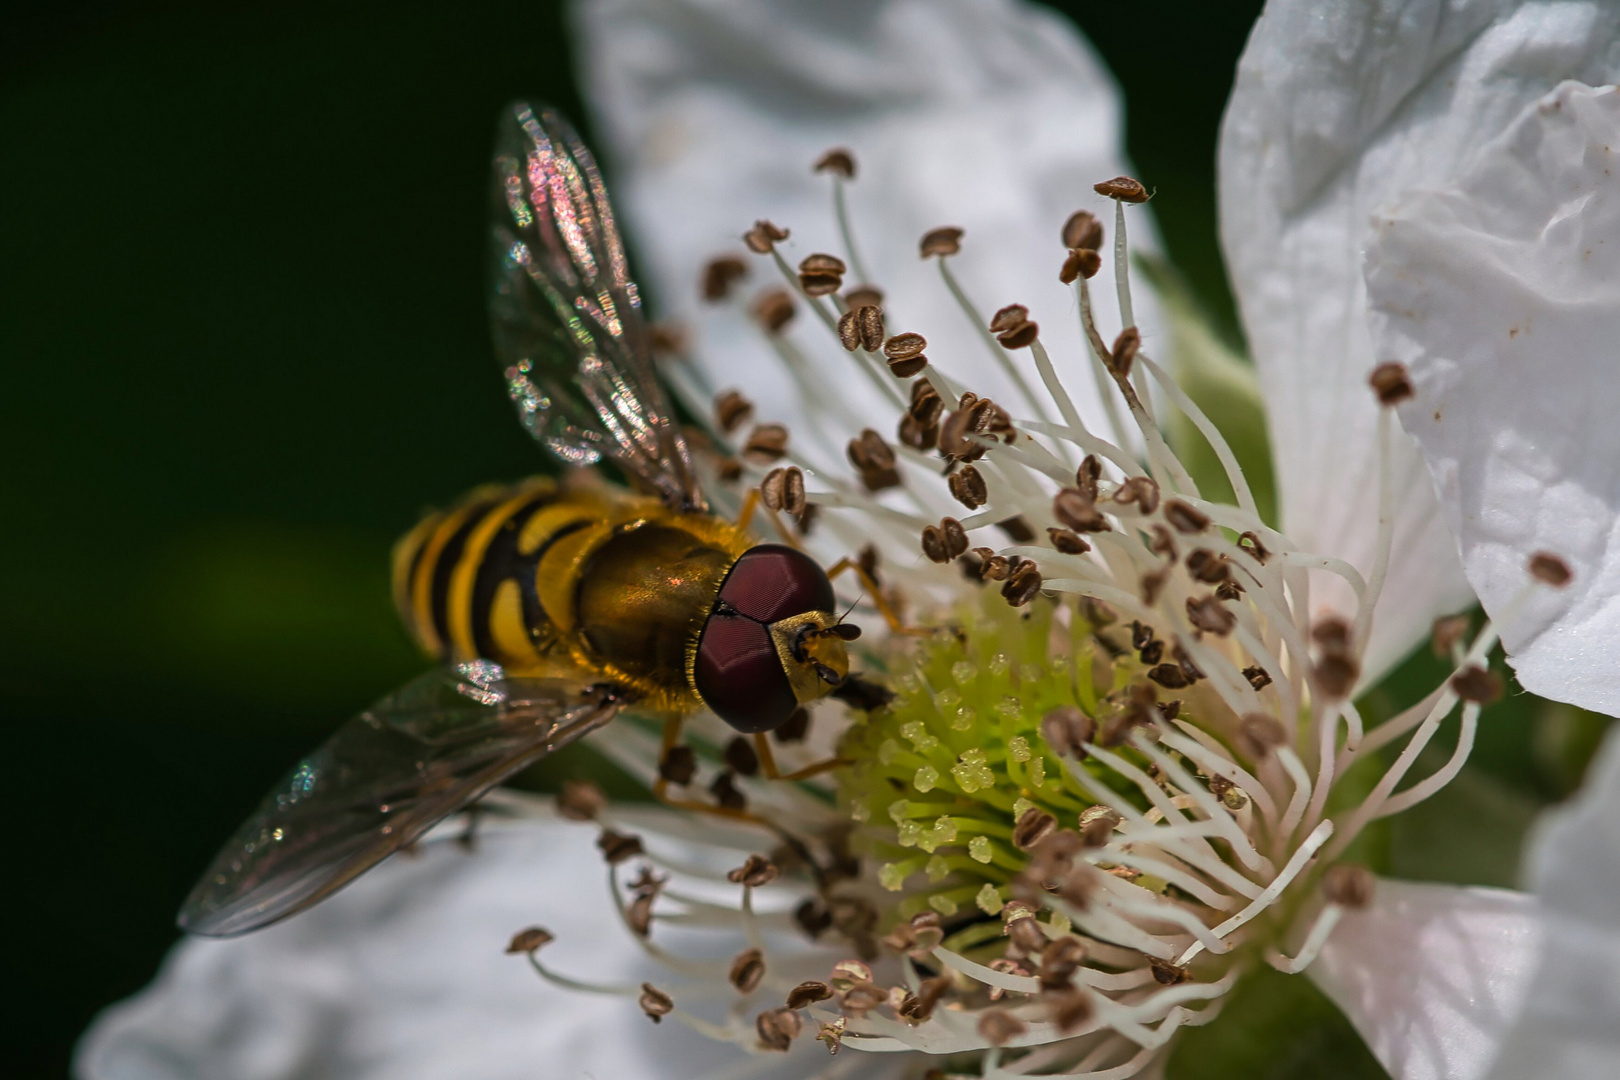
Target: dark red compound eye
738	672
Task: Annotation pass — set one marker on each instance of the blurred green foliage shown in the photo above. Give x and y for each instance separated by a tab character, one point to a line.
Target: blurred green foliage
243	346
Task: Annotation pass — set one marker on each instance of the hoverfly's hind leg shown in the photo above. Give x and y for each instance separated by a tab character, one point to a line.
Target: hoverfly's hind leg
767	762
672	739
879	601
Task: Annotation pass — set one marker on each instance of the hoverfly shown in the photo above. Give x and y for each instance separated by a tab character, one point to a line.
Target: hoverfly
550	609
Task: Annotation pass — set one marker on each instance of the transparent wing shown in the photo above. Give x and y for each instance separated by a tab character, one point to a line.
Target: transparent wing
567	317
382	780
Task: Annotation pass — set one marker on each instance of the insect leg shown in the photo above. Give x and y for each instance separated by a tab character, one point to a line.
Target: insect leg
767	761
672	737
890	616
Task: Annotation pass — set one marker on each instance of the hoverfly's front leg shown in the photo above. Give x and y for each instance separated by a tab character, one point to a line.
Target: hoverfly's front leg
868	583
767	762
751	506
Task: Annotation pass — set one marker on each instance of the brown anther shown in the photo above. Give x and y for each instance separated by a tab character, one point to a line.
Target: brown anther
1391	383
1166	973
1080	263
1068	1010
875	461
766	443
955	437
667	339
904	346
1067	541
968	488
1142	635
1088	476
1152	583
1012	327
731	410
1169	709
679	765
1349	885
956	541
1067	730
999	1028
730	469
1336	673
1033	826
529	941
1185	518
1008	318
918	1007
1097	825
764	237
838	161
1123	354
655	1003
869	327
1141	490
783	489
1122	188
1259	734
1550	569
724	790
617	847
861	999
1074	510
911	365
720	275
1082	230
1447	632
1250	543
918	434
1258	677
808	993
639	914
993	567
1206	566
1023	584
832	1033
795	728
926	406
1208	614
847	974
777	1028
859	296
813	918
1169	676
1014	911
747	969
774	309
580	800
946	240
1060	959
821	274
849	334
757	870
1477	684
1026	933
1017	529
1332	634
1229	590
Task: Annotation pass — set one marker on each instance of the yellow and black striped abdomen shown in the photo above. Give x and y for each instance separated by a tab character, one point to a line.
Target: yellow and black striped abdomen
465	579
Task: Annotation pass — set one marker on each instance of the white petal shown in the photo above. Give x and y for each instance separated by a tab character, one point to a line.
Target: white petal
402	975
1432	975
1501	293
991	116
1339	106
1570	1028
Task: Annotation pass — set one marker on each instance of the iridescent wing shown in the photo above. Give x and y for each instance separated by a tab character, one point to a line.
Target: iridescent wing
567	317
381	781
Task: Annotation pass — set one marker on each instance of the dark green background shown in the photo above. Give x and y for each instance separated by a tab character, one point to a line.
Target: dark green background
242	344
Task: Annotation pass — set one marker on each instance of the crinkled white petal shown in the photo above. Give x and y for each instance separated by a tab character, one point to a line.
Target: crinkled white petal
1501	293
1339	107
402	975
990	115
1570	1027
1432	975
